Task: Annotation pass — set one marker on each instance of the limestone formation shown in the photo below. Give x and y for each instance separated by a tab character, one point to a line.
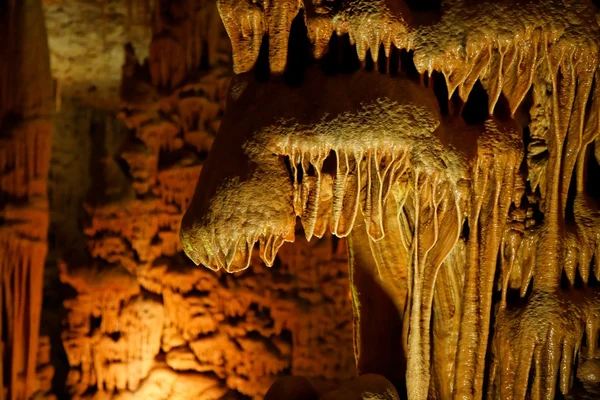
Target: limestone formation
456	149
135	92
141	320
26	106
44	371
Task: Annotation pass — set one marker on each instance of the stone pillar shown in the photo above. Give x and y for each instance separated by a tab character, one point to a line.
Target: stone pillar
26	106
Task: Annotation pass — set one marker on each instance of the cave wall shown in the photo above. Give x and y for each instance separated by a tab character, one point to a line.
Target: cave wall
26	105
125	312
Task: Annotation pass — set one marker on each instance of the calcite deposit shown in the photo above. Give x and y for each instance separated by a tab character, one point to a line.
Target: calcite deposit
134	92
456	149
436	164
26	106
141	320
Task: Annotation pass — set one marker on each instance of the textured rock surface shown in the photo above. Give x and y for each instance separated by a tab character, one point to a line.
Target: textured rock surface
141	320
87	40
86	63
25	140
464	183
43	388
455	150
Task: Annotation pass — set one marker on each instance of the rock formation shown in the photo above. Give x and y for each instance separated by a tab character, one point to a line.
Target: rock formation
99	155
141	320
26	107
457	149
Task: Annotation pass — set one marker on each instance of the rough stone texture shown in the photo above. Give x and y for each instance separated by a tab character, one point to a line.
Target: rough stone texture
141	320
87	40
25	140
86	63
455	150
474	235
43	389
140	306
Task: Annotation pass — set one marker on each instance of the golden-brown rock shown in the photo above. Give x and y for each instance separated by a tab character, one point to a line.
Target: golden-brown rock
463	181
142	320
26	106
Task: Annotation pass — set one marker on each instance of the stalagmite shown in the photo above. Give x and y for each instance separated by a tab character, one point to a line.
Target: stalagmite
245	24
182	33
462	176
492	194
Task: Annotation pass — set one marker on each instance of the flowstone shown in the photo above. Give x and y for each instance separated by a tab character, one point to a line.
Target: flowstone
455	150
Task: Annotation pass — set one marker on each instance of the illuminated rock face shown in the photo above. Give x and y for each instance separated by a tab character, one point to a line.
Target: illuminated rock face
474	236
124	314
26	100
141	320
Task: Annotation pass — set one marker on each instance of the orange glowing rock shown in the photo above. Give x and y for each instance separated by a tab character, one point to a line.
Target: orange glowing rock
142	320
26	104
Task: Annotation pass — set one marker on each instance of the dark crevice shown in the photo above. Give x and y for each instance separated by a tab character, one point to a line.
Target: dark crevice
465	231
299	52
369	63
348	56
95	323
533	371
529	290
440	89
455	104
514	299
571	195
341	57
330	164
330	60
592	172
382	62
424	5
527	139
394	61
522	115
288	166
565	284
299	171
579	282
261	67
276	263
593	279
502	108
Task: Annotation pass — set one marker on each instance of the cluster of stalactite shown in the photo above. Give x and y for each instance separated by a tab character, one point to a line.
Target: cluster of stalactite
26	100
484	236
142	320
187	35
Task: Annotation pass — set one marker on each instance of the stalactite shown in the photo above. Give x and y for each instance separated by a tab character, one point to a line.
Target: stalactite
492	195
184	35
504	197
436	230
446	323
26	106
142	321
